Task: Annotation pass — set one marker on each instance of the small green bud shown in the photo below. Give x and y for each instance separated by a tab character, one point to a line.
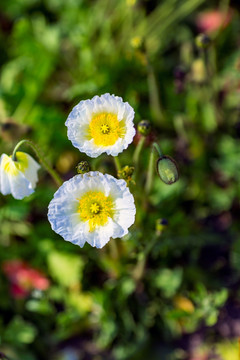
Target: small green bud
144	127
83	167
167	169
126	173
203	41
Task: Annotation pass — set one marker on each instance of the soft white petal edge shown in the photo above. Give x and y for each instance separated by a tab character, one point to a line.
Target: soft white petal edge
31	171
81	115
65	220
17	185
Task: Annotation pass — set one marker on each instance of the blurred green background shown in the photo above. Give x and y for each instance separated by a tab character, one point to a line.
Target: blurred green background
170	292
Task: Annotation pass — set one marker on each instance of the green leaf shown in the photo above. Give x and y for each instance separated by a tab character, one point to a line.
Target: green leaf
168	281
66	269
19	331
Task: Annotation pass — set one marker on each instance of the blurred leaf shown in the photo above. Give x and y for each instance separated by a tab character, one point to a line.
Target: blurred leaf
80	301
41	306
168	280
65	268
19	331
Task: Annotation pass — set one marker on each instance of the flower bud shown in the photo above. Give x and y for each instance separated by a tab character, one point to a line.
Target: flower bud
161	225
203	41
144	127
167	170
126	173
83	167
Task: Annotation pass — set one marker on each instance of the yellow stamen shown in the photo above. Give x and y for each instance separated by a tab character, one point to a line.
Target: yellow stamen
13	167
105	129
96	208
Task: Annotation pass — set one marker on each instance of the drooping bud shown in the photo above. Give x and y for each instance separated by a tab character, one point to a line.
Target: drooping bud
167	170
126	173
83	167
144	127
203	41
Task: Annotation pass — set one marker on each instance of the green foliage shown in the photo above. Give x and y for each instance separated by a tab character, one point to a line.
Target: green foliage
65	268
139	296
19	332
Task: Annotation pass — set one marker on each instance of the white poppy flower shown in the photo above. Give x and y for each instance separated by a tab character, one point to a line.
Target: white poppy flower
92	208
102	124
18	177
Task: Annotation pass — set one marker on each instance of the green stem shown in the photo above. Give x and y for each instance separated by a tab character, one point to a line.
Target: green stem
117	163
138	151
157	148
150	172
41	158
140	266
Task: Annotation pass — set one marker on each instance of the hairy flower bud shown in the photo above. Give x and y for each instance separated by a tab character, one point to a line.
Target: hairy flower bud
167	170
126	173
83	167
144	127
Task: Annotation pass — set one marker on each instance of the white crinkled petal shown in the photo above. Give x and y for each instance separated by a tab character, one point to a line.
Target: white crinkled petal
20	186
16	184
63	209
4	180
80	117
31	171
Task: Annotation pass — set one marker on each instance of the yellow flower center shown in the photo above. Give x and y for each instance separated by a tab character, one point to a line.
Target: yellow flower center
105	129
13	167
95	208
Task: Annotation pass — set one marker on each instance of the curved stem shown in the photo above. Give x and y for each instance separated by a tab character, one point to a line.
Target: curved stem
138	151
157	148
41	158
150	172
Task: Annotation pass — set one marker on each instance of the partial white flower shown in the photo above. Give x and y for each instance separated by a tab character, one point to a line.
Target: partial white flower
18	177
92	208
102	124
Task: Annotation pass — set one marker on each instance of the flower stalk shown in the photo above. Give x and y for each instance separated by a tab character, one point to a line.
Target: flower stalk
151	163
150	172
138	151
117	163
41	158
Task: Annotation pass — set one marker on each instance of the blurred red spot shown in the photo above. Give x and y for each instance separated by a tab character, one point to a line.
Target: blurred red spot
213	20
24	278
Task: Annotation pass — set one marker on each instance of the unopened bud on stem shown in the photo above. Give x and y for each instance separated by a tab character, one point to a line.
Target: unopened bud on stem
167	170
144	127
203	41
126	173
83	167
